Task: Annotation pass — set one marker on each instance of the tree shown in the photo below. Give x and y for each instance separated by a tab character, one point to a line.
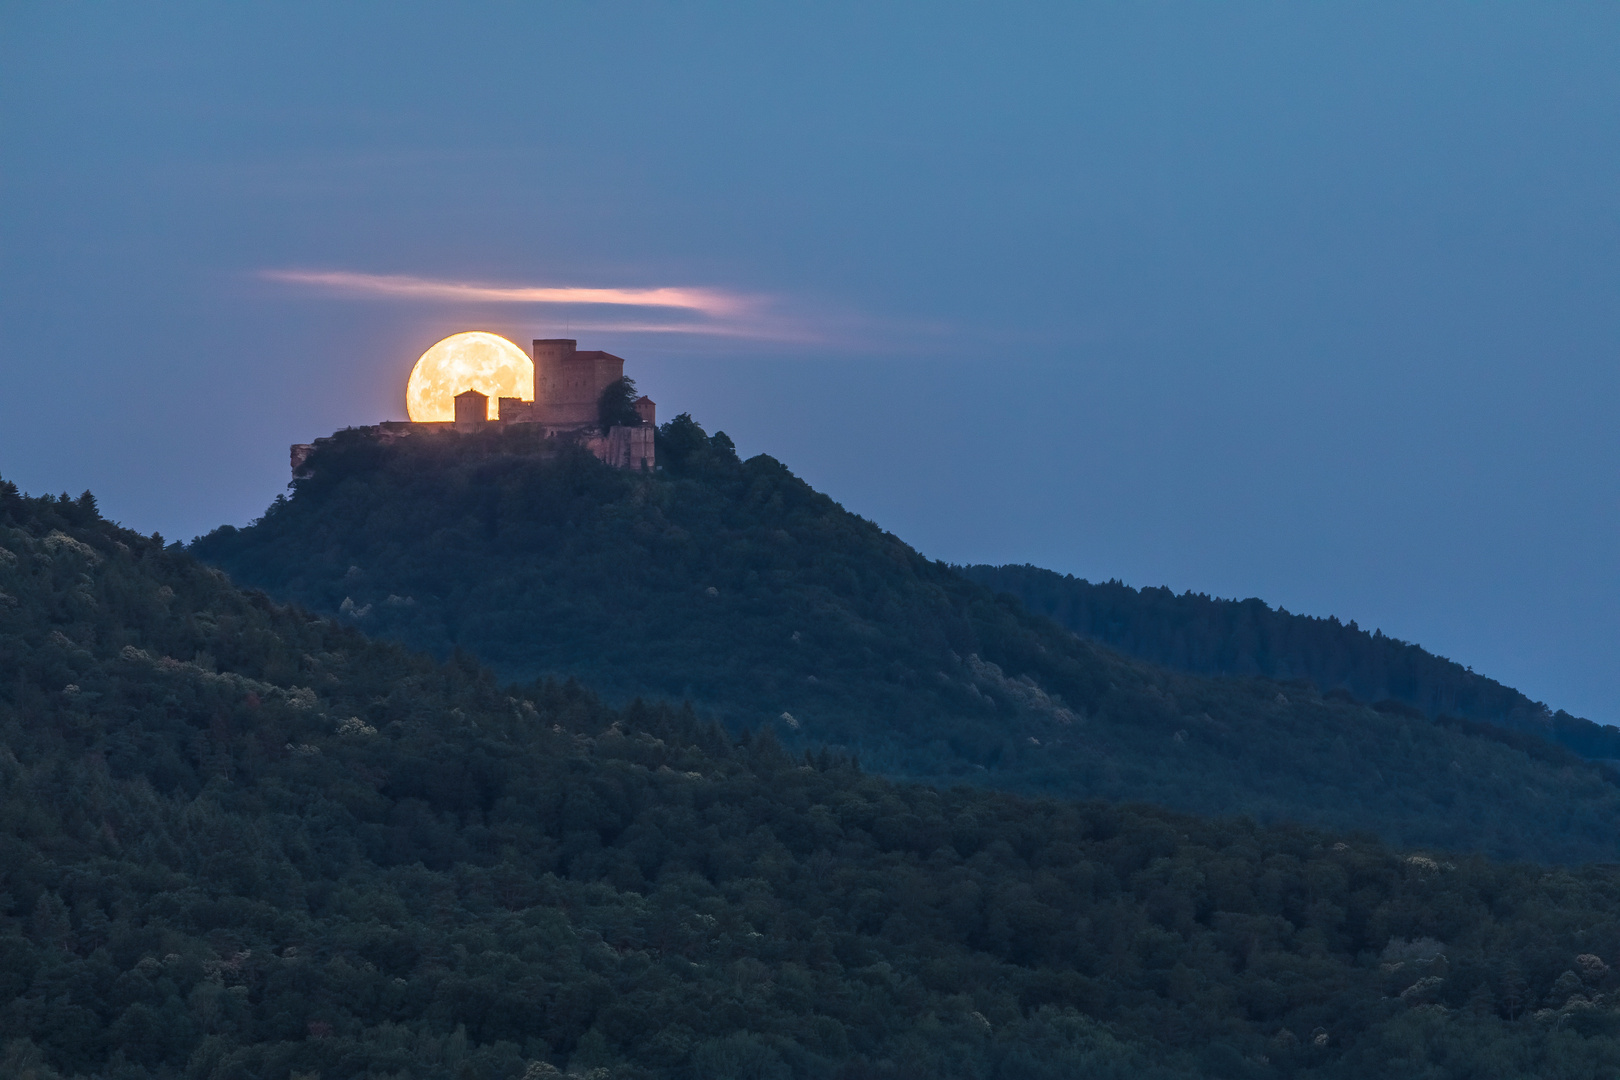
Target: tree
617	405
680	439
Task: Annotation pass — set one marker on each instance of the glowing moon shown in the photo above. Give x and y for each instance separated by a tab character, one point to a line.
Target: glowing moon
475	360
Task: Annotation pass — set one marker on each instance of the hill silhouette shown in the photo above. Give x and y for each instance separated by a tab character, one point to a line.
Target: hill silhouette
734	585
1194	632
243	841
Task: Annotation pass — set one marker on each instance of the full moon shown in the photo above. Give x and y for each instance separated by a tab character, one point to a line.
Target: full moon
474	360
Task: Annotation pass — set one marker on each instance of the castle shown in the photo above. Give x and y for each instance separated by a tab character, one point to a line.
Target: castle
568	387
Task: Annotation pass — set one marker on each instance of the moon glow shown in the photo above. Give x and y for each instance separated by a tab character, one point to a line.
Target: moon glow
474	360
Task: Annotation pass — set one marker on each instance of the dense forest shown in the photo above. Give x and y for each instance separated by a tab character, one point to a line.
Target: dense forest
242	842
1193	632
733	585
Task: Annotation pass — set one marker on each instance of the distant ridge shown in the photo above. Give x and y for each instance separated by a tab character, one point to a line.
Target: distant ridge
1196	633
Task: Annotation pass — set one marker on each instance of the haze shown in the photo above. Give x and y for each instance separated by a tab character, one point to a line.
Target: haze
1315	303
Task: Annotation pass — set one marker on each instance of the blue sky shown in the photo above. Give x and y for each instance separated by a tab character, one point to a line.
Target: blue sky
1316	303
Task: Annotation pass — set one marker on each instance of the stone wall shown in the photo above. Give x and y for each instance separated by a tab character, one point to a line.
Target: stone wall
510	409
625	447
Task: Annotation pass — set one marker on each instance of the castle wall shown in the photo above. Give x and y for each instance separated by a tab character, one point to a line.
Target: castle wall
516	409
625	447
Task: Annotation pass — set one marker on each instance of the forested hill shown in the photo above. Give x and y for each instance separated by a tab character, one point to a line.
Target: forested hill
1193	632
241	842
734	585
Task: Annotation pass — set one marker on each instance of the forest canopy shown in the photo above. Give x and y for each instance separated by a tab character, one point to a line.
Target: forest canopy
1197	633
243	841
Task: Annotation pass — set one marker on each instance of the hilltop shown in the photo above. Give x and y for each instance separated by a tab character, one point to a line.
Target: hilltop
735	586
245	841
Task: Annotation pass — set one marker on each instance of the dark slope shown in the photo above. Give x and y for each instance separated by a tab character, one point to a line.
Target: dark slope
1193	632
245	843
735	585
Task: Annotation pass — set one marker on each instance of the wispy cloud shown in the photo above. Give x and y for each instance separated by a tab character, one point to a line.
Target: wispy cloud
707	301
707	311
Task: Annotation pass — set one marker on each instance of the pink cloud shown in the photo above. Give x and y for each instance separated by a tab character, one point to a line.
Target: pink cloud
673	310
710	302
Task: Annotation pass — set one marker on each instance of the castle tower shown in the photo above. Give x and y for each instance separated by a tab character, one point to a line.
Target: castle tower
472	410
568	383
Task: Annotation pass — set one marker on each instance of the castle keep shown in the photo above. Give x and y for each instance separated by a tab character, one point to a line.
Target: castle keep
568	386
